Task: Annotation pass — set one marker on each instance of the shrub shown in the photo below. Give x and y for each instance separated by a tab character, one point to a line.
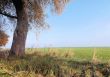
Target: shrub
3	38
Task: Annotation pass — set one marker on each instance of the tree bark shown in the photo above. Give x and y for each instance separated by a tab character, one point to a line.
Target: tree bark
20	33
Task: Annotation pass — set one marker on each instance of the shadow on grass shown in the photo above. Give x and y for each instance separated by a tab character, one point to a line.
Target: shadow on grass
49	66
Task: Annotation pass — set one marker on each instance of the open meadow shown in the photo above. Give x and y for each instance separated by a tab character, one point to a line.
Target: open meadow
76	54
58	62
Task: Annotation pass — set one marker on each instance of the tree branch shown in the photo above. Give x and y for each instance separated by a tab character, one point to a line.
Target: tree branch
8	15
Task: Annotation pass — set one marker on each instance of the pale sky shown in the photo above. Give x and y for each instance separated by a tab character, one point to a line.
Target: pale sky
84	23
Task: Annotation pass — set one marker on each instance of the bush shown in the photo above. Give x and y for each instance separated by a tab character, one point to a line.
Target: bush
3	38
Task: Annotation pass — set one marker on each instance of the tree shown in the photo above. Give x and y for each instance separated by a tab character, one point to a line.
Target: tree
3	38
26	13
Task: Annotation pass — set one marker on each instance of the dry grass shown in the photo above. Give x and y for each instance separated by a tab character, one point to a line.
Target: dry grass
95	60
4	54
52	63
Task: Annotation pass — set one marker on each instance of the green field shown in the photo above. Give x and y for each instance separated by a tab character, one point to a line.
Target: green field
77	54
58	62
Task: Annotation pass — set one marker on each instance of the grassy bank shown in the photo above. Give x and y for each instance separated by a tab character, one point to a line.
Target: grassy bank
58	62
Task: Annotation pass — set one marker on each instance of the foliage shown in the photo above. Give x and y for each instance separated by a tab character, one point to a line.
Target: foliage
35	8
3	38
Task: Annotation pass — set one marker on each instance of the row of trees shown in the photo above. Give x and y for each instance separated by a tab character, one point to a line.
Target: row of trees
25	13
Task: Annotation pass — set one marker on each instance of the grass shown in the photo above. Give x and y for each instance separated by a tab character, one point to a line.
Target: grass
76	54
58	62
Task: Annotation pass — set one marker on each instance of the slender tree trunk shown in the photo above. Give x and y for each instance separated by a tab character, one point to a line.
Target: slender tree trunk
20	33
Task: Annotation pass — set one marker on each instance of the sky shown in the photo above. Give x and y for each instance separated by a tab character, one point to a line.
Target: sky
83	23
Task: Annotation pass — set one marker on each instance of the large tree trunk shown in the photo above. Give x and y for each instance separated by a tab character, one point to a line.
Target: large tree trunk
20	33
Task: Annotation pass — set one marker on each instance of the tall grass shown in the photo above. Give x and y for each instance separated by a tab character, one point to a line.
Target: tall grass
77	54
58	62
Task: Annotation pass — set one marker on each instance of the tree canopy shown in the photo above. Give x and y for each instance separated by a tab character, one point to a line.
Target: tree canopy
35	9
